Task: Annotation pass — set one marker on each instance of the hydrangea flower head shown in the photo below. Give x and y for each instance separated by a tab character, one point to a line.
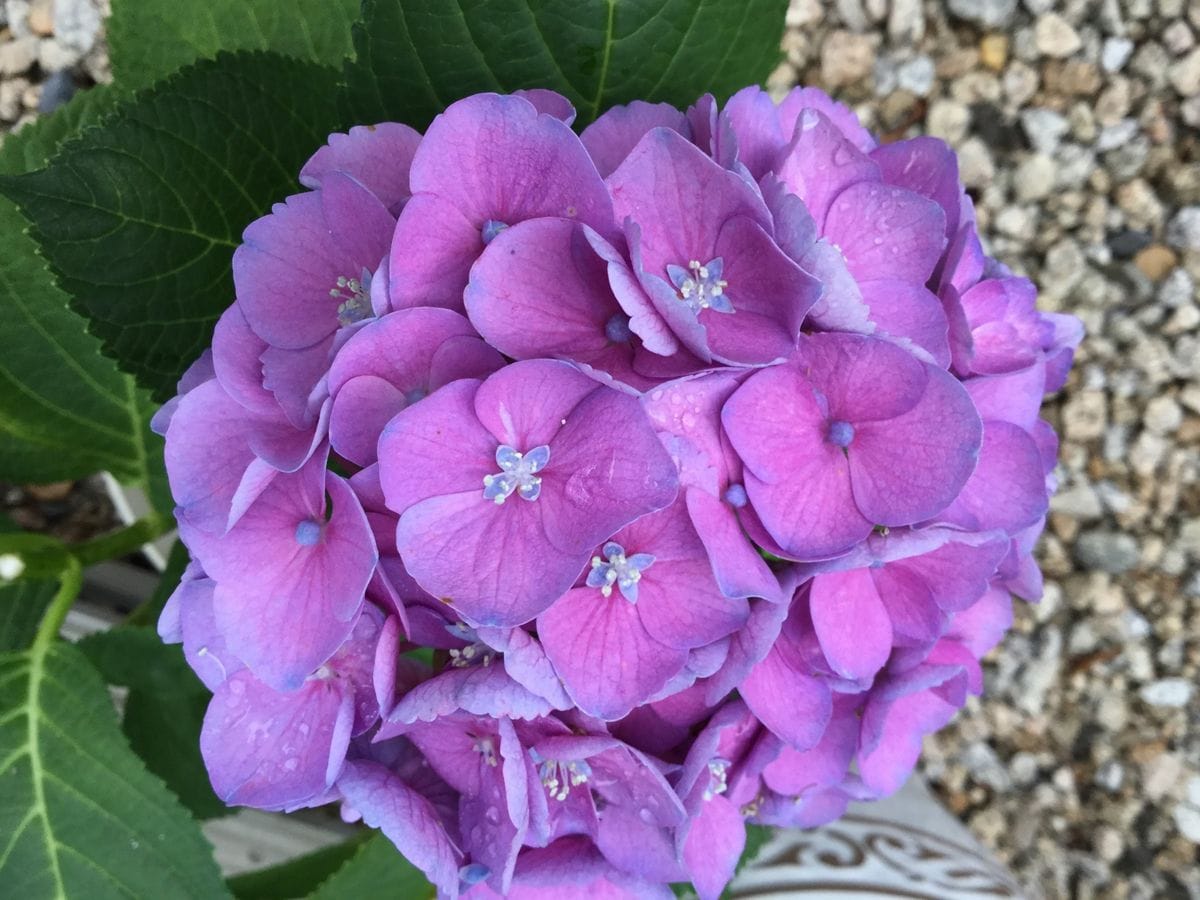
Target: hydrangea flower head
698	455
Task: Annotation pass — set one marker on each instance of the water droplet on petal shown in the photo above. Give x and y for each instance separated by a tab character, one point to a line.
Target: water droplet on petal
291	764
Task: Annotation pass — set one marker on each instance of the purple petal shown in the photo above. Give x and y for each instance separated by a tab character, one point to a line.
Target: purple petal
912	313
612	136
550	103
851	622
274	750
270	583
799	99
406	817
738	568
820	162
290	260
495	565
713	847
604	655
886	232
483	690
237	362
378	156
754	120
1007	489
680	199
910	467
929	167
204	645
443	428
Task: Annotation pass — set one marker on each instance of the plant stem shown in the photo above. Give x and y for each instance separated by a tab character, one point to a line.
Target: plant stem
122	542
68	589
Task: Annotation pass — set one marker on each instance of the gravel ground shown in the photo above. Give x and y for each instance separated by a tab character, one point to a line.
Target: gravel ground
1078	130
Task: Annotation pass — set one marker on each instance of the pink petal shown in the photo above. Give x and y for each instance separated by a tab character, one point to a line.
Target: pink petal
851	622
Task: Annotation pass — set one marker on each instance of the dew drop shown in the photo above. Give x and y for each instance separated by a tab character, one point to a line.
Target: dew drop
645	815
304	728
493	815
809	119
291	764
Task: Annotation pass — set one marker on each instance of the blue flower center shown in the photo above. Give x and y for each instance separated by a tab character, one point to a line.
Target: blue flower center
308	533
615	568
735	496
517	474
841	433
700	286
490	229
617	329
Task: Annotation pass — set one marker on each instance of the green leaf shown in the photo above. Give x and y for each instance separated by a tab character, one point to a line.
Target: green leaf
149	39
79	816
296	877
22	604
414	57
139	216
163	711
377	863
65	410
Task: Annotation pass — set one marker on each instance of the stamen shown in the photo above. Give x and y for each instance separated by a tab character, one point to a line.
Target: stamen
701	286
517	474
717	771
558	776
617	568
486	748
355	294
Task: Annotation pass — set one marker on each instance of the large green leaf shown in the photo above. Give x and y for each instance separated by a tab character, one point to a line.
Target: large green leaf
65	410
414	57
139	216
22	604
79	816
164	710
377	863
149	39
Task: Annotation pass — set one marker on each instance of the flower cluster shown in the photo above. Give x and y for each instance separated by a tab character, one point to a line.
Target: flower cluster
560	503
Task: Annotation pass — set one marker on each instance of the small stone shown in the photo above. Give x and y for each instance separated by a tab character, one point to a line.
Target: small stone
1109	843
54	57
975	165
41	17
1156	261
1178	37
1187	820
1163	415
76	24
1055	37
1084	416
1160	774
1113	136
1183	232
1126	243
916	76
1171	693
993	51
906	22
1107	551
1044	128
10	98
987	13
846	58
1035	177
1115	53
18	56
985	767
1185	74
948	120
1110	776
1080	502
